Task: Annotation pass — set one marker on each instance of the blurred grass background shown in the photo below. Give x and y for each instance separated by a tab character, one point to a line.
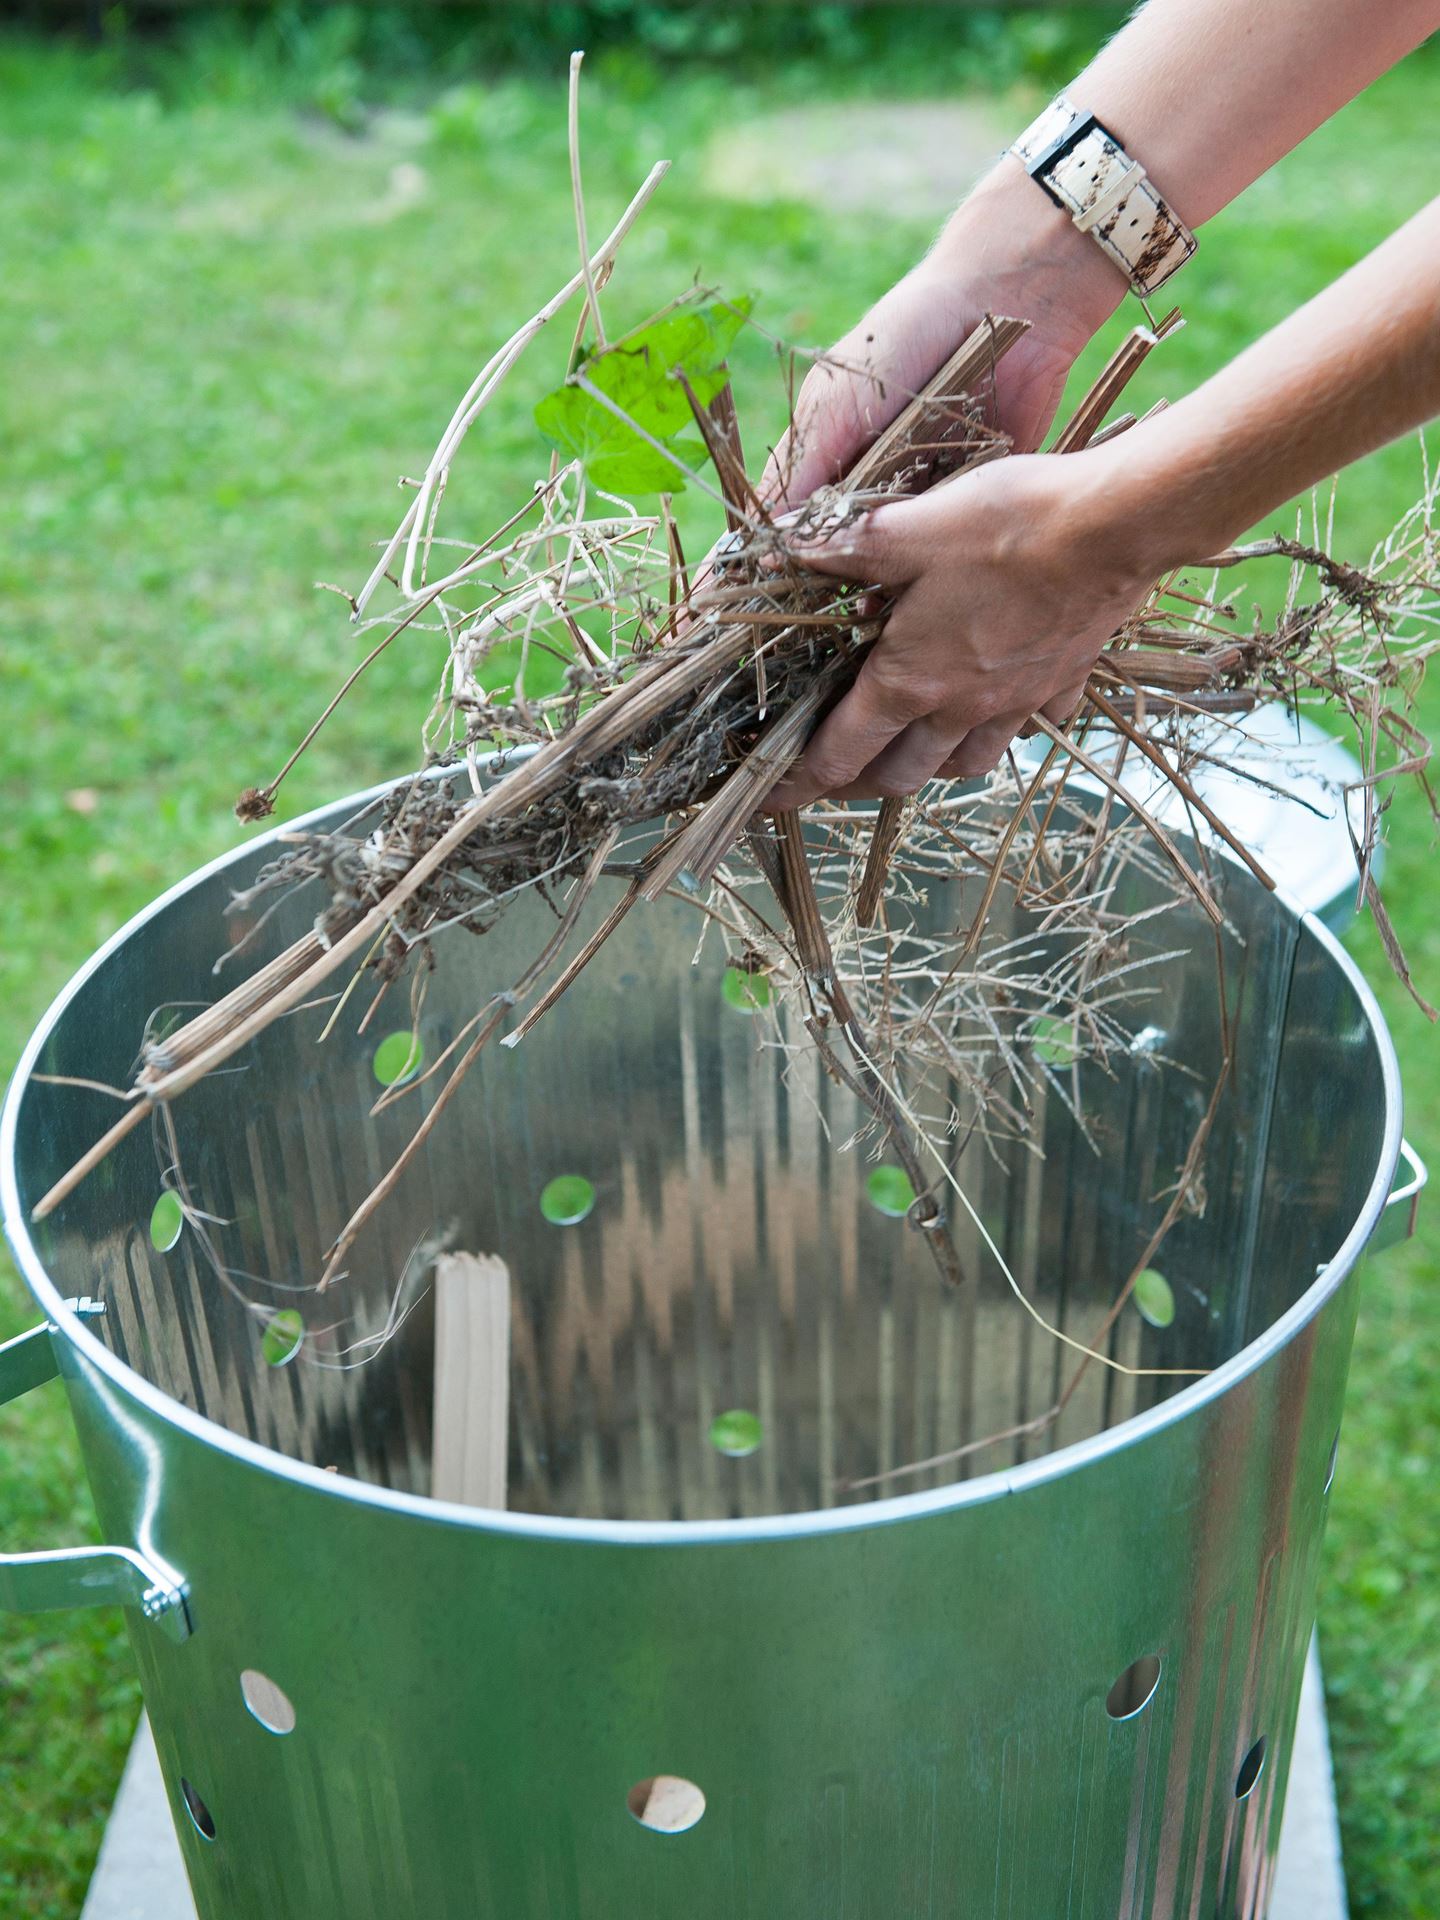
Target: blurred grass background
251	260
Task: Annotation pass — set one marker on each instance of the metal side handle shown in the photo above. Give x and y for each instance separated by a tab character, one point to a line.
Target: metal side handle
1397	1220
79	1576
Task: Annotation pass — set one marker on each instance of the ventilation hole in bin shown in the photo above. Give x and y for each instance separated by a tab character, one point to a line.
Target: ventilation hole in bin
746	992
1330	1463
1251	1768
736	1433
270	1706
566	1199
167	1217
890	1191
1056	1041
398	1057
200	1816
666	1804
283	1336
1134	1688
1154	1298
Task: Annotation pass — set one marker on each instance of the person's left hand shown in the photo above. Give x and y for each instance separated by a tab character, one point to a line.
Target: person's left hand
1006	583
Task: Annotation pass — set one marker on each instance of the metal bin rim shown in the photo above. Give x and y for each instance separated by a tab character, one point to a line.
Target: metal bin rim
673	1533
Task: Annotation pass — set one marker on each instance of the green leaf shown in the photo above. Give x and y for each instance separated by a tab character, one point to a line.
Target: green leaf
637	375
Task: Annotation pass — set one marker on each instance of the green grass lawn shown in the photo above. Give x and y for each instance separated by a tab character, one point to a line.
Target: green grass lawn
229	324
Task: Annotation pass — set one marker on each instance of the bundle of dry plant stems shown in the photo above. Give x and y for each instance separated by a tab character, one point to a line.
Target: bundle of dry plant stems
654	758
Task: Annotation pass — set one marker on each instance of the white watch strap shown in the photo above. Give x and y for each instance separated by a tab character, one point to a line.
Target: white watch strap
1084	168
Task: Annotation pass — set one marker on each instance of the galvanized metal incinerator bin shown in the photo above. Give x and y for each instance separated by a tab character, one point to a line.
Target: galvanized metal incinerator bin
691	1672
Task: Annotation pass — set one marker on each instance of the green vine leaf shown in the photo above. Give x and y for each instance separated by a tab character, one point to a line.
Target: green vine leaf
637	375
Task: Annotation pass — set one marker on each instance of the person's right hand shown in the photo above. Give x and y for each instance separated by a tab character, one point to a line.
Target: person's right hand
1007	250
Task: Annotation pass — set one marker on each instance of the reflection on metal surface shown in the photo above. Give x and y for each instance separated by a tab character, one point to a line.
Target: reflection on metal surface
1031	1688
717	1252
26	1361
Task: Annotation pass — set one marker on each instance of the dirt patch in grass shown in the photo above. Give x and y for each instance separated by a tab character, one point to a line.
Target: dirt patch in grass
912	158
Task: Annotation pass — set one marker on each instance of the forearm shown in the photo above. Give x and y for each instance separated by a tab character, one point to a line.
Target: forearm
1005	583
1355	368
1207	94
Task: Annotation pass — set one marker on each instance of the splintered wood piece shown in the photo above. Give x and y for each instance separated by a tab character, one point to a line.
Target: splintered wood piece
1154	705
703	843
1170	670
796	894
719	426
939	416
468	1457
883	835
1086	420
1121	424
760	839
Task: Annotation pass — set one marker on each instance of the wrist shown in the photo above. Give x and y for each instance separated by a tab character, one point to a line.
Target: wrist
1008	233
1152	500
1124	511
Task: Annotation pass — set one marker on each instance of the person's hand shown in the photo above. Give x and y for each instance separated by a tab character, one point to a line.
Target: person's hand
1006	582
1007	250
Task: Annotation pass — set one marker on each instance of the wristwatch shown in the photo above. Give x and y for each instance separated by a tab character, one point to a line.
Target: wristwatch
1085	170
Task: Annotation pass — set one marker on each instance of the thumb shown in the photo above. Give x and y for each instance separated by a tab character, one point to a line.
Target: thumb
879	548
838	412
799	464
818	448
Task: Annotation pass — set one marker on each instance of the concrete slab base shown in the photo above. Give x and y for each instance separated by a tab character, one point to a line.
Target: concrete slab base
1309	1871
139	1875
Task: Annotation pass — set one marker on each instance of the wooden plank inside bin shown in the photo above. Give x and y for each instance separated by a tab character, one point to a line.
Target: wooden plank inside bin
472	1379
